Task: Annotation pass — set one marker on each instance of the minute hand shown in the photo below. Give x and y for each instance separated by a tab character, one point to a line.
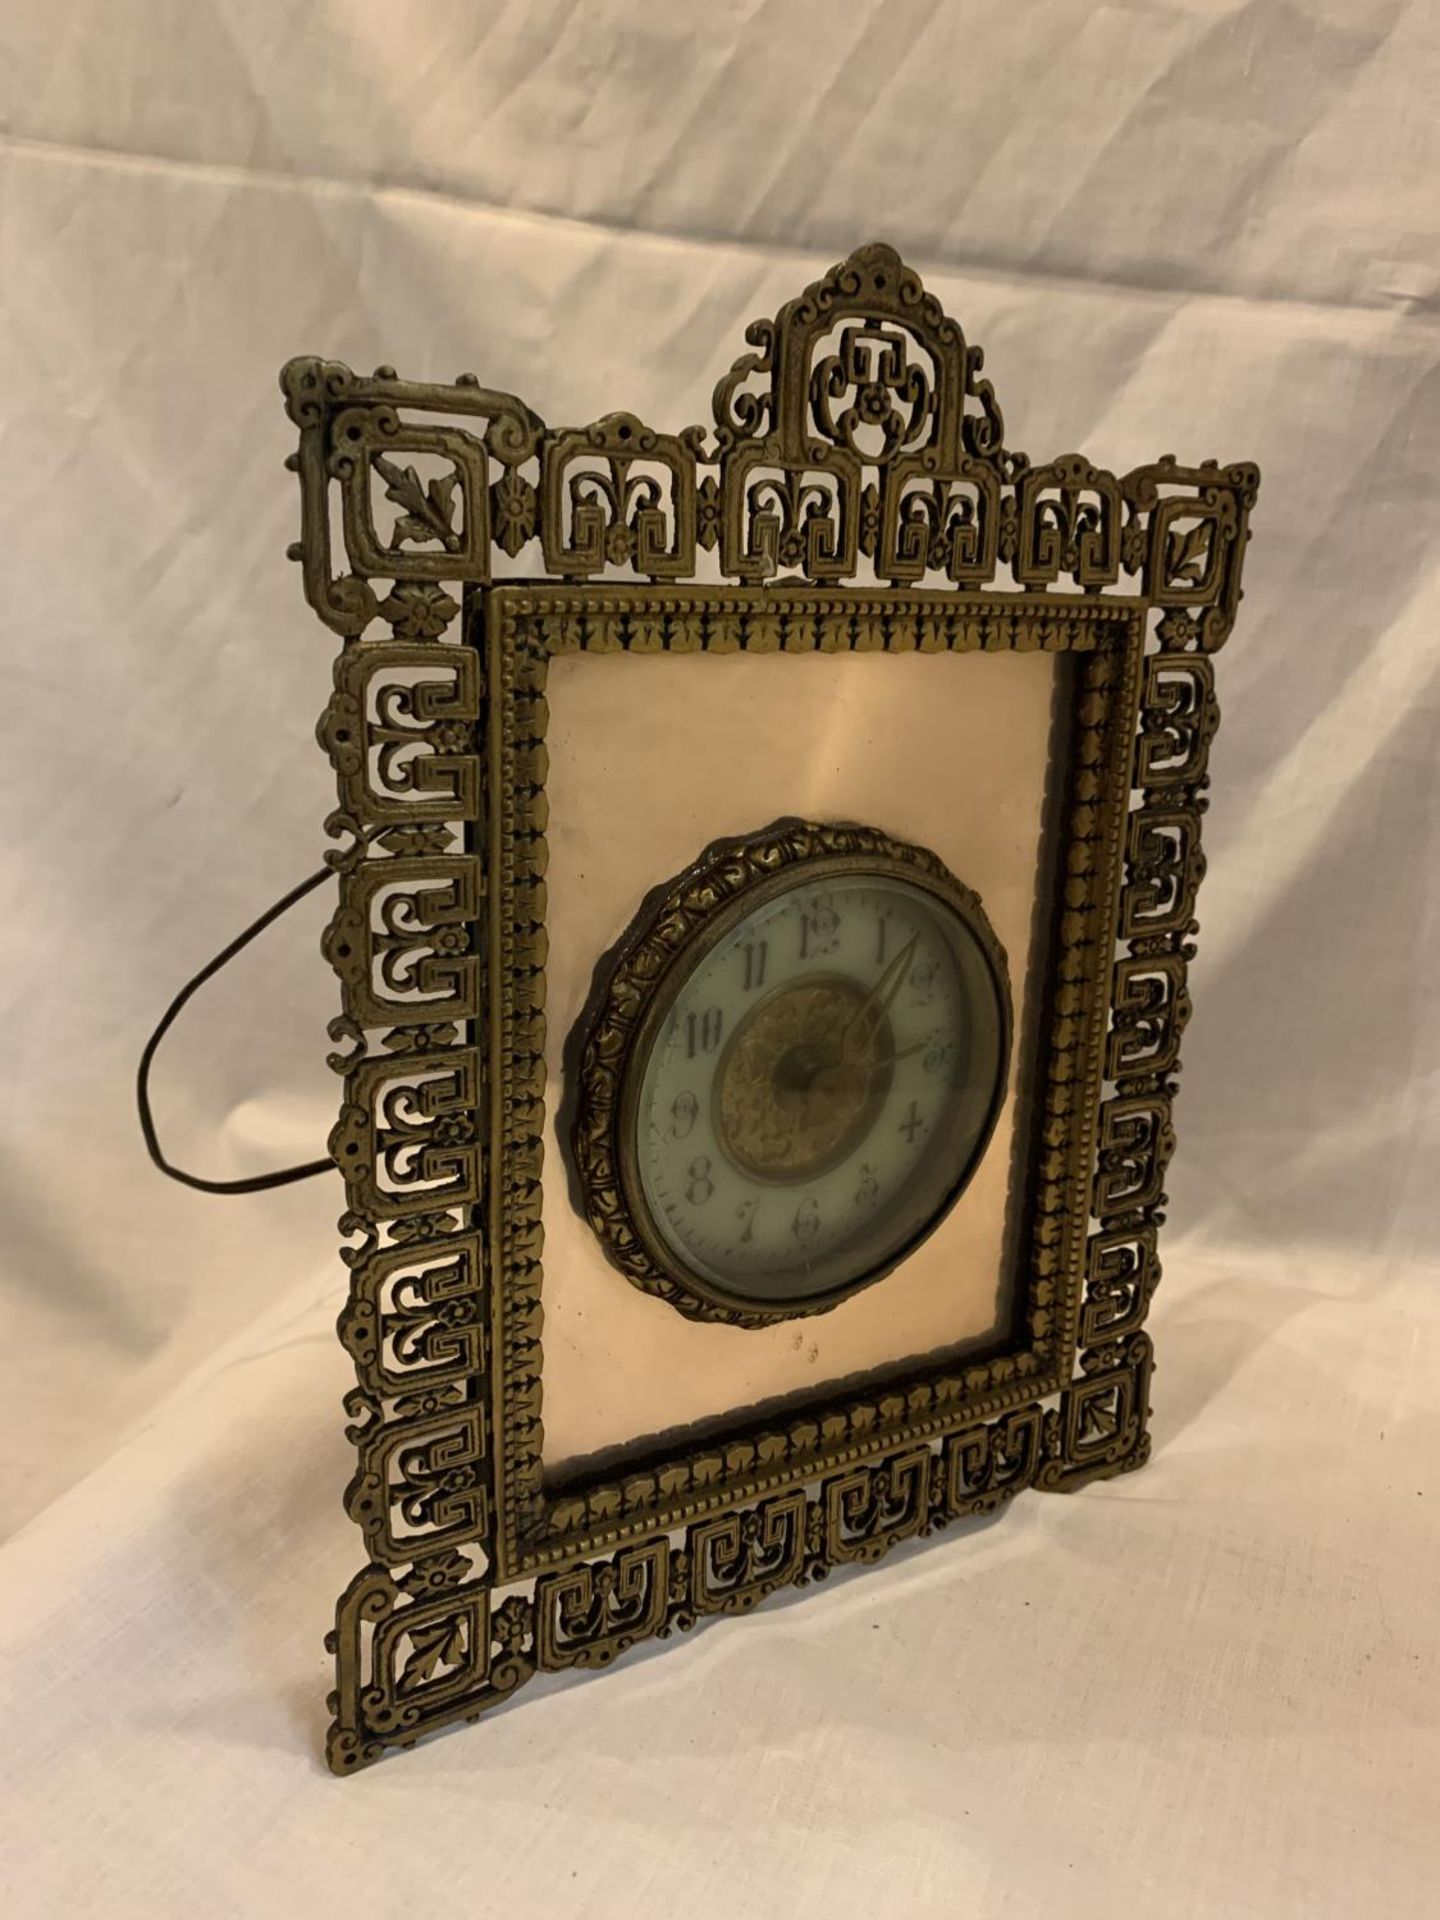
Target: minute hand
861	1026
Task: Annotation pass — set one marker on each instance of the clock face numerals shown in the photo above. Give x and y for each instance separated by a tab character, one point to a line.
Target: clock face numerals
815	1082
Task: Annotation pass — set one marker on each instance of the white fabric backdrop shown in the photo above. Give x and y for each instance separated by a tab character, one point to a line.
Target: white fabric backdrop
1207	227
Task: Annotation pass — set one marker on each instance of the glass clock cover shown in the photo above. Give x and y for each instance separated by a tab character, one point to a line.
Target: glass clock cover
813	1078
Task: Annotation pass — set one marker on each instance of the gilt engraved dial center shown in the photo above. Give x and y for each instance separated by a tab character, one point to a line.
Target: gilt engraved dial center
801	1080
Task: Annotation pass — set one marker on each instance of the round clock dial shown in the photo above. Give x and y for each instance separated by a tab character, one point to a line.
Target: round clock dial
813	1076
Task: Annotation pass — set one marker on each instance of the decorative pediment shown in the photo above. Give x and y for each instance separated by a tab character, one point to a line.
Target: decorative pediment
855	441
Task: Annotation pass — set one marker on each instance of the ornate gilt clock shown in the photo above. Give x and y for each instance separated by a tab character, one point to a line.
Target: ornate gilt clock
768	858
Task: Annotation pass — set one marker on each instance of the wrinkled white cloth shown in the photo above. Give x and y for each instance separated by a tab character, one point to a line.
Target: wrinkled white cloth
1207	227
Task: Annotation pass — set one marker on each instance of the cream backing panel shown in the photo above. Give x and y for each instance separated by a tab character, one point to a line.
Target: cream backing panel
651	758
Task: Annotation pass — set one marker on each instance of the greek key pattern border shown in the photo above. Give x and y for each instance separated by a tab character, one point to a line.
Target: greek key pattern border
854	449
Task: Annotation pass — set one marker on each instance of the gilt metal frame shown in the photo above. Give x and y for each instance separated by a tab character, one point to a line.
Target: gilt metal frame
858	495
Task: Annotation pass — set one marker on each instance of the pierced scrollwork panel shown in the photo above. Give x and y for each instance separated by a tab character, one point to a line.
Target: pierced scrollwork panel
853	439
874	392
1165	871
414	1321
407	1139
1103	1419
867	1512
1069	525
1135	1144
802	519
400	732
618	494
419	1651
985	1467
403	942
939	522
1180	717
434	481
738	1557
586	1617
1122	1270
422	1481
1150	1006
